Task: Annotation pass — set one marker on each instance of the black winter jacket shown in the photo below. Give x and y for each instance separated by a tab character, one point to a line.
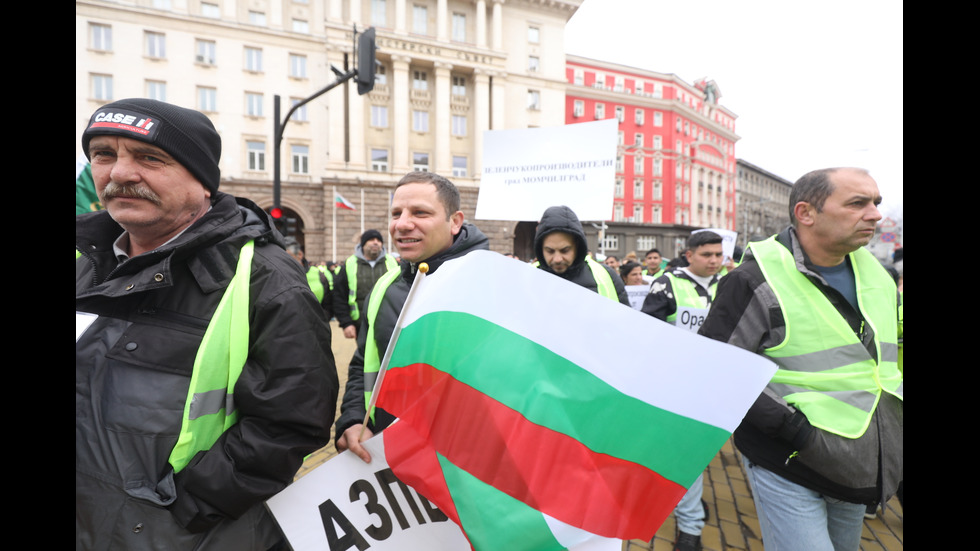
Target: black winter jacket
132	372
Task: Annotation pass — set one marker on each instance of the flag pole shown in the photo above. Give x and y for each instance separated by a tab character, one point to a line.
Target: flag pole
423	268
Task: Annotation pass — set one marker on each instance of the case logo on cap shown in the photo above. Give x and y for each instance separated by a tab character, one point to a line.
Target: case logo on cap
125	122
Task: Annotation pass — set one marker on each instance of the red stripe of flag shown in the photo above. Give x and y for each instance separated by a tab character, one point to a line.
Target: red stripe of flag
498	446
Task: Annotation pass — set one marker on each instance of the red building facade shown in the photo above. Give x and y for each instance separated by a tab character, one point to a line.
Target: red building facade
676	153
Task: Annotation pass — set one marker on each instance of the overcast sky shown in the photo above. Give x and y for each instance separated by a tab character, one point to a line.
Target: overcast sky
813	84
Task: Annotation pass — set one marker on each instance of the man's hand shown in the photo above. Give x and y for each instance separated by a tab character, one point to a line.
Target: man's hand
350	331
350	440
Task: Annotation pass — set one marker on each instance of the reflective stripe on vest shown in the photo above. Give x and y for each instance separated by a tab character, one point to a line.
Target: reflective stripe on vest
686	295
351	266
372	358
210	406
824	369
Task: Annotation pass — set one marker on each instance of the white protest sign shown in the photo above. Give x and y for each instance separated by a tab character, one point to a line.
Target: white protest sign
347	504
637	294
527	170
727	240
690	319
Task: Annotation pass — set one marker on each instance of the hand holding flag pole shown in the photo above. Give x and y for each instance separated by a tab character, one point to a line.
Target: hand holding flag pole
423	269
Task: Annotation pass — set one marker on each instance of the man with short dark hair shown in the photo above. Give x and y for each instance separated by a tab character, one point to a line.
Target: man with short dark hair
428	226
682	297
561	249
355	280
824	441
653	259
203	372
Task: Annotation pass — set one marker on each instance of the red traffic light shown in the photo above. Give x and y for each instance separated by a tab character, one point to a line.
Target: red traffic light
275	212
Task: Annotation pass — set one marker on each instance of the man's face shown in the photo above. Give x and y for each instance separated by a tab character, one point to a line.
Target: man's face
558	249
705	261
372	248
420	226
145	190
611	262
653	262
849	216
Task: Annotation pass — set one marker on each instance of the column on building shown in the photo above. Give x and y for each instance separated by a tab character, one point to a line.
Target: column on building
442	21
481	23
401	90
443	158
481	116
400	16
356	12
498	25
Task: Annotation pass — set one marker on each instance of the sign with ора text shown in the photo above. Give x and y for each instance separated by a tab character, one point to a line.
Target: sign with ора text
527	170
347	504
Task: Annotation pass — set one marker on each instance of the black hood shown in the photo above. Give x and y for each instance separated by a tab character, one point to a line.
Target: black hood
561	219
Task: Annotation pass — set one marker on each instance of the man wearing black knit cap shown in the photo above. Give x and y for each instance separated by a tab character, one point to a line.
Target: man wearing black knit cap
355	280
203	371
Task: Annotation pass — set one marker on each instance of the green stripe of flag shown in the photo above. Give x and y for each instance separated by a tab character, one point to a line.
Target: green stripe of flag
553	392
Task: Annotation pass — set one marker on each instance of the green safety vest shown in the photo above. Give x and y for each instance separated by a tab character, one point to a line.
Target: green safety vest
351	266
824	369
604	282
372	358
313	278
686	295
210	406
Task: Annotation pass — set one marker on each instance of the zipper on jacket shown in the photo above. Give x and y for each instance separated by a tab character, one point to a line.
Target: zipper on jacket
791	456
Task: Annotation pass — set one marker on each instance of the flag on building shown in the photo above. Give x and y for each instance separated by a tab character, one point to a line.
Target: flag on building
86	199
342	203
518	419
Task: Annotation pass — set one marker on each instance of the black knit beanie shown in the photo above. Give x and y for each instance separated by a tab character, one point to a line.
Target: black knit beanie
369	235
185	134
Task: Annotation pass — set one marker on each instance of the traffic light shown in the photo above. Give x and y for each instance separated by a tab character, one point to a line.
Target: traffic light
366	51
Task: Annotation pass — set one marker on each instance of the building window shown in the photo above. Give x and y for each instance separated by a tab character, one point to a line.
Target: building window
459	125
380	74
379	13
301	159
656	217
534	100
420	19
256	155
459	166
638	139
620	113
297	66
638	188
618	84
638	164
379	160
658	142
379	116
600	111
300	26
156	45
611	242
600	80
578	77
657	191
534	35
617	216
156	89
459	27
638	117
253	59
211	10
253	104
620	138
658	167
533	64
256	18
207	99
102	87
618	191
299	115
420	80
100	37
658	118
637	213
420	121
205	52
578	108
420	162
646	242
459	86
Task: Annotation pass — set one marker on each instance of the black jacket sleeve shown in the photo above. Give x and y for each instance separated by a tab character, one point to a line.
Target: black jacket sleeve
341	290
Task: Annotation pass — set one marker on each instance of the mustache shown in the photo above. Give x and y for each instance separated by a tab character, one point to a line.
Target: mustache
132	191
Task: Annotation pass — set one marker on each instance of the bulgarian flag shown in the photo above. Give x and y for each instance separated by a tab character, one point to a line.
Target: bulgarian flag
520	422
86	199
341	203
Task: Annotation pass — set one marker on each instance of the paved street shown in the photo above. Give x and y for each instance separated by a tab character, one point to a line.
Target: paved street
732	523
